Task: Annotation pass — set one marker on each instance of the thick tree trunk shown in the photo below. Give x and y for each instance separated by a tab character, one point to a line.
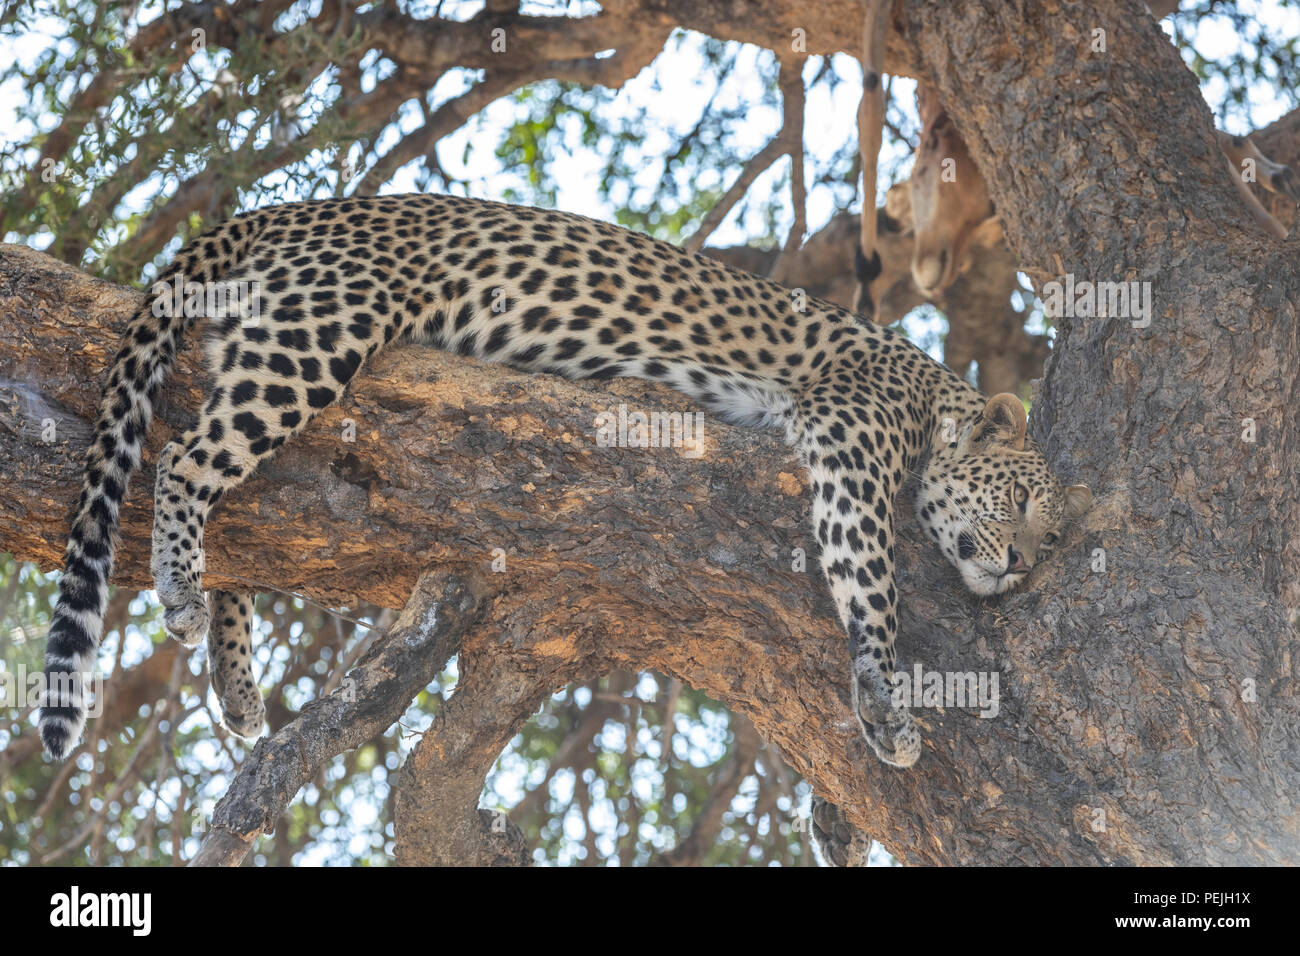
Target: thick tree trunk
1148	710
1180	652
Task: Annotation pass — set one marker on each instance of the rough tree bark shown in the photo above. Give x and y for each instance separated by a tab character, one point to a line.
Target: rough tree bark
1124	733
1200	527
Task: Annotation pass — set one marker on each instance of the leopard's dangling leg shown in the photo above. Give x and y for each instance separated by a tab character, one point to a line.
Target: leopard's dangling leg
183	497
871	618
177	561
193	475
854	520
230	663
254	407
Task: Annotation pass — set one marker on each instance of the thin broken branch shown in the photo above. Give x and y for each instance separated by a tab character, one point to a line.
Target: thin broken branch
408	656
790	81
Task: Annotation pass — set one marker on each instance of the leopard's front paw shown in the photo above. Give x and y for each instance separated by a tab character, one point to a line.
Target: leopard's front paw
839	842
895	740
887	725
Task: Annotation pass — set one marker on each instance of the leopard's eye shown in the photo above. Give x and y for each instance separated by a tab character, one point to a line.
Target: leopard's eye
1019	495
1049	539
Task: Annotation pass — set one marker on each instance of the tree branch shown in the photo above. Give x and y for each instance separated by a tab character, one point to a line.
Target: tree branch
437	820
790	80
442	608
787	142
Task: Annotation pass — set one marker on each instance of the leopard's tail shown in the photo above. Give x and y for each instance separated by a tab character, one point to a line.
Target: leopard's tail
141	365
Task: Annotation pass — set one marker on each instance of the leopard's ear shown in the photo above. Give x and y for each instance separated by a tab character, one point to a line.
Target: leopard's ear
1078	501
1003	420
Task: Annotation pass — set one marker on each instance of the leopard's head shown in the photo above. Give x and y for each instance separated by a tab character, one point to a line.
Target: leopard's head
989	500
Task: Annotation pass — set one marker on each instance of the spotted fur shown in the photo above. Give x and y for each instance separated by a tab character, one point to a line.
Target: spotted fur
548	292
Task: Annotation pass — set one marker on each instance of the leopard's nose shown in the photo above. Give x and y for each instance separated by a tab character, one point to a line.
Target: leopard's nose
1017	563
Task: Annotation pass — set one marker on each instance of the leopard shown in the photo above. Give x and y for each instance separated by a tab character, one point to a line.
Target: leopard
545	292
